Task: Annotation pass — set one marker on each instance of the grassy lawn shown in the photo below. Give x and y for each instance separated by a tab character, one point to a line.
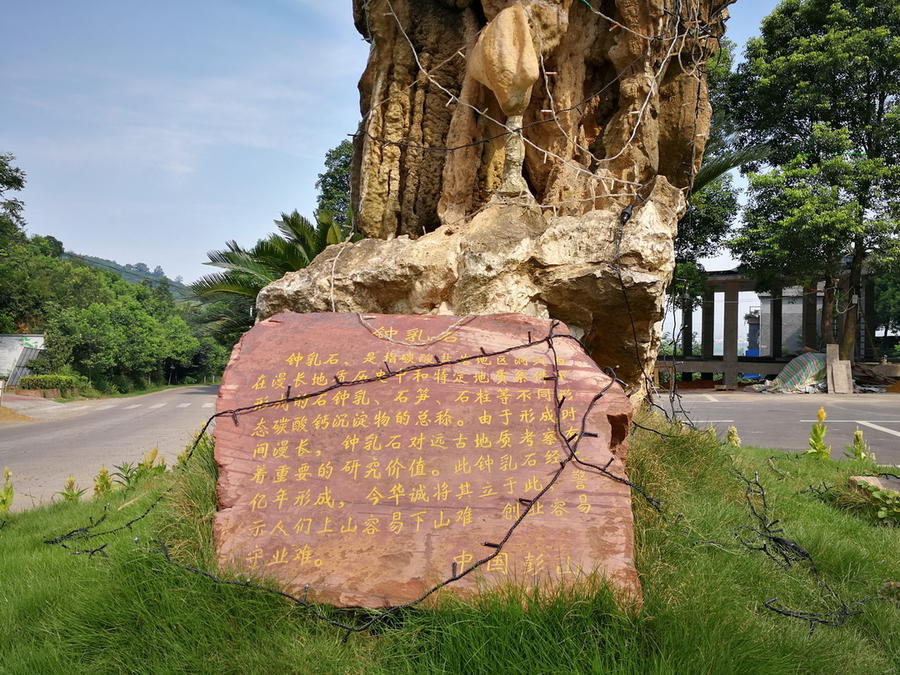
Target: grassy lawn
704	592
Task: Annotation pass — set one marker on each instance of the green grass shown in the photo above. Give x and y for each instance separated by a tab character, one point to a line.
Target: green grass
703	603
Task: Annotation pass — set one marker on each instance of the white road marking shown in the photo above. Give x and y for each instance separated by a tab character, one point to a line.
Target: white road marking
710	397
107	407
208	405
78	407
132	407
182	405
878	428
829	421
158	405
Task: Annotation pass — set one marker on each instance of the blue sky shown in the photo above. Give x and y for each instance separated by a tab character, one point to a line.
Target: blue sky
155	131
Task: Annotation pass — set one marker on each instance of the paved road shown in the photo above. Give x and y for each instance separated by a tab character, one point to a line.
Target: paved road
78	438
783	420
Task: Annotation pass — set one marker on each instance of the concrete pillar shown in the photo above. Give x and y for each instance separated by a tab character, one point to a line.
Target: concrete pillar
776	322
731	336
687	339
810	304
707	330
844	288
869	326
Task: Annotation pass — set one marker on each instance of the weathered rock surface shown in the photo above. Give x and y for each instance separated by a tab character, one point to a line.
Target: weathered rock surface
618	105
373	493
510	259
484	191
504	60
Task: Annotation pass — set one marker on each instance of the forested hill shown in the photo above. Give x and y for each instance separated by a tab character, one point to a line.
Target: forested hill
135	273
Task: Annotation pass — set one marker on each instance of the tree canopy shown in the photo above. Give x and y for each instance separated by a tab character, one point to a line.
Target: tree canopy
248	271
12	222
832	62
820	87
118	334
334	186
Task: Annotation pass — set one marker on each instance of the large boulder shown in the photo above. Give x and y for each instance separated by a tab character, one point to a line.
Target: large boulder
511	259
365	460
486	186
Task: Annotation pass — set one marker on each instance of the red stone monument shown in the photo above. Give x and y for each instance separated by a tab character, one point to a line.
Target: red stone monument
431	445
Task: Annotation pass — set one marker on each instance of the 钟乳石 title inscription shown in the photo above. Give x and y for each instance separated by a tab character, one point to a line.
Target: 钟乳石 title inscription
423	448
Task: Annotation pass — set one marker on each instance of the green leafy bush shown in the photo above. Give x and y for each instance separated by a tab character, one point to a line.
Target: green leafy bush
887	502
52	382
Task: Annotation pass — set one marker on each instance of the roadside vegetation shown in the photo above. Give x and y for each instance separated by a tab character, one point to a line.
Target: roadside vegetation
117	329
125	609
103	333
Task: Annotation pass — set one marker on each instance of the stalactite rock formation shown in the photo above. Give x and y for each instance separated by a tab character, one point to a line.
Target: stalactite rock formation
611	134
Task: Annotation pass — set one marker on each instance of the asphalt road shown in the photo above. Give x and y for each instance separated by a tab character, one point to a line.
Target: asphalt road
81	437
783	420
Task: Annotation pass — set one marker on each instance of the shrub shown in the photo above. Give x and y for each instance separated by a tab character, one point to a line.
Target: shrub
52	382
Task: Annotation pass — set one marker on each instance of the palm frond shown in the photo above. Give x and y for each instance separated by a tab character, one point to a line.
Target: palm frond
719	163
299	230
222	284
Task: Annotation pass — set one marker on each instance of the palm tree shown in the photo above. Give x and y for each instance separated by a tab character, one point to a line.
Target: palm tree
712	208
248	271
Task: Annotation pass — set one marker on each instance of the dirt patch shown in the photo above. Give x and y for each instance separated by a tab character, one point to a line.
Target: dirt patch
7	415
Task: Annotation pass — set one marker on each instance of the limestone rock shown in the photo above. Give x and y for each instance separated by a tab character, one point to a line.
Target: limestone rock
466	217
504	60
619	102
511	259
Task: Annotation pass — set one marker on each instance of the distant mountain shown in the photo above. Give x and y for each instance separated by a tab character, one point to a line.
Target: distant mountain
135	273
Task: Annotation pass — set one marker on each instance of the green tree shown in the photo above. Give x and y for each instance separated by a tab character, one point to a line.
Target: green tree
179	347
118	344
829	66
12	222
334	185
48	245
34	285
805	219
